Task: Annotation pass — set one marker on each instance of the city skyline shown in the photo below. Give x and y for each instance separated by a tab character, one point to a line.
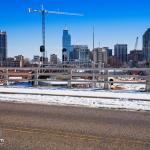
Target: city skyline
115	22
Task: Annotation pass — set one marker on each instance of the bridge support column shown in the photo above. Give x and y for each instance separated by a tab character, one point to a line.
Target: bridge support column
36	83
106	84
93	81
7	77
148	83
69	81
69	84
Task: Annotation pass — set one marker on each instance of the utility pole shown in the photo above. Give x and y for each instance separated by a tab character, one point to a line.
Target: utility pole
93	48
93	65
93	37
43	13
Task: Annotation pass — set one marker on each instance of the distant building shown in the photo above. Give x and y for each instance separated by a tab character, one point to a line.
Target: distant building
146	45
17	61
81	53
46	60
66	42
120	52
20	59
113	62
36	58
36	61
64	55
109	51
100	56
53	59
136	55
3	46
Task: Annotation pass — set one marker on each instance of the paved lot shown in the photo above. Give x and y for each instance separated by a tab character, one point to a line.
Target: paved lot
39	127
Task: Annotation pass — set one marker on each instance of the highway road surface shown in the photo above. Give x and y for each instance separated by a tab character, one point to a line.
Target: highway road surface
41	127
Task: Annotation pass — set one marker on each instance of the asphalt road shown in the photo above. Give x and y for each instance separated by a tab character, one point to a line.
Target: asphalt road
40	127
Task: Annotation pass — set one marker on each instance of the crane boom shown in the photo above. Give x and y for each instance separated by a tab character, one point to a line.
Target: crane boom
63	13
54	12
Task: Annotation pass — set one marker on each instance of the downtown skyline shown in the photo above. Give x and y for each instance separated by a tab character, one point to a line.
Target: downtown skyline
114	23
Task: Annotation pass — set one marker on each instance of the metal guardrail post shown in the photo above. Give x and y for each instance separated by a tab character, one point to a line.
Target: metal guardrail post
106	84
93	75
93	79
69	81
36	78
148	81
7	77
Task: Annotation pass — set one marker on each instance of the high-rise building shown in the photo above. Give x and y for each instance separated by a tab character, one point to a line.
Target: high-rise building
100	55
146	45
109	52
66	42
3	45
80	53
121	53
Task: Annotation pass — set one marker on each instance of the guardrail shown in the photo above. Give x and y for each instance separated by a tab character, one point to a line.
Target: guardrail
71	76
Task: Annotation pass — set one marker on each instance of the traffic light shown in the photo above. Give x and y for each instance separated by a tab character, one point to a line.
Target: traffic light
42	48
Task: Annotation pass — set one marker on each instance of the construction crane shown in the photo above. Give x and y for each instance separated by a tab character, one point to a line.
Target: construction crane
136	43
43	12
135	58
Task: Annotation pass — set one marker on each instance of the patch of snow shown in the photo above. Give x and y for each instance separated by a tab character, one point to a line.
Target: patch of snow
88	97
76	101
79	93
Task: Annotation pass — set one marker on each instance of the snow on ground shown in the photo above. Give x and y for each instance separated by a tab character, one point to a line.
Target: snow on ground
91	93
88	98
132	86
76	101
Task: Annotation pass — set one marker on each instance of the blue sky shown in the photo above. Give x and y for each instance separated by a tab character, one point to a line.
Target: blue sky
115	21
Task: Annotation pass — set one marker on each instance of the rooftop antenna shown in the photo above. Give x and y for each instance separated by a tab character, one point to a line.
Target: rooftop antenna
43	13
99	44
